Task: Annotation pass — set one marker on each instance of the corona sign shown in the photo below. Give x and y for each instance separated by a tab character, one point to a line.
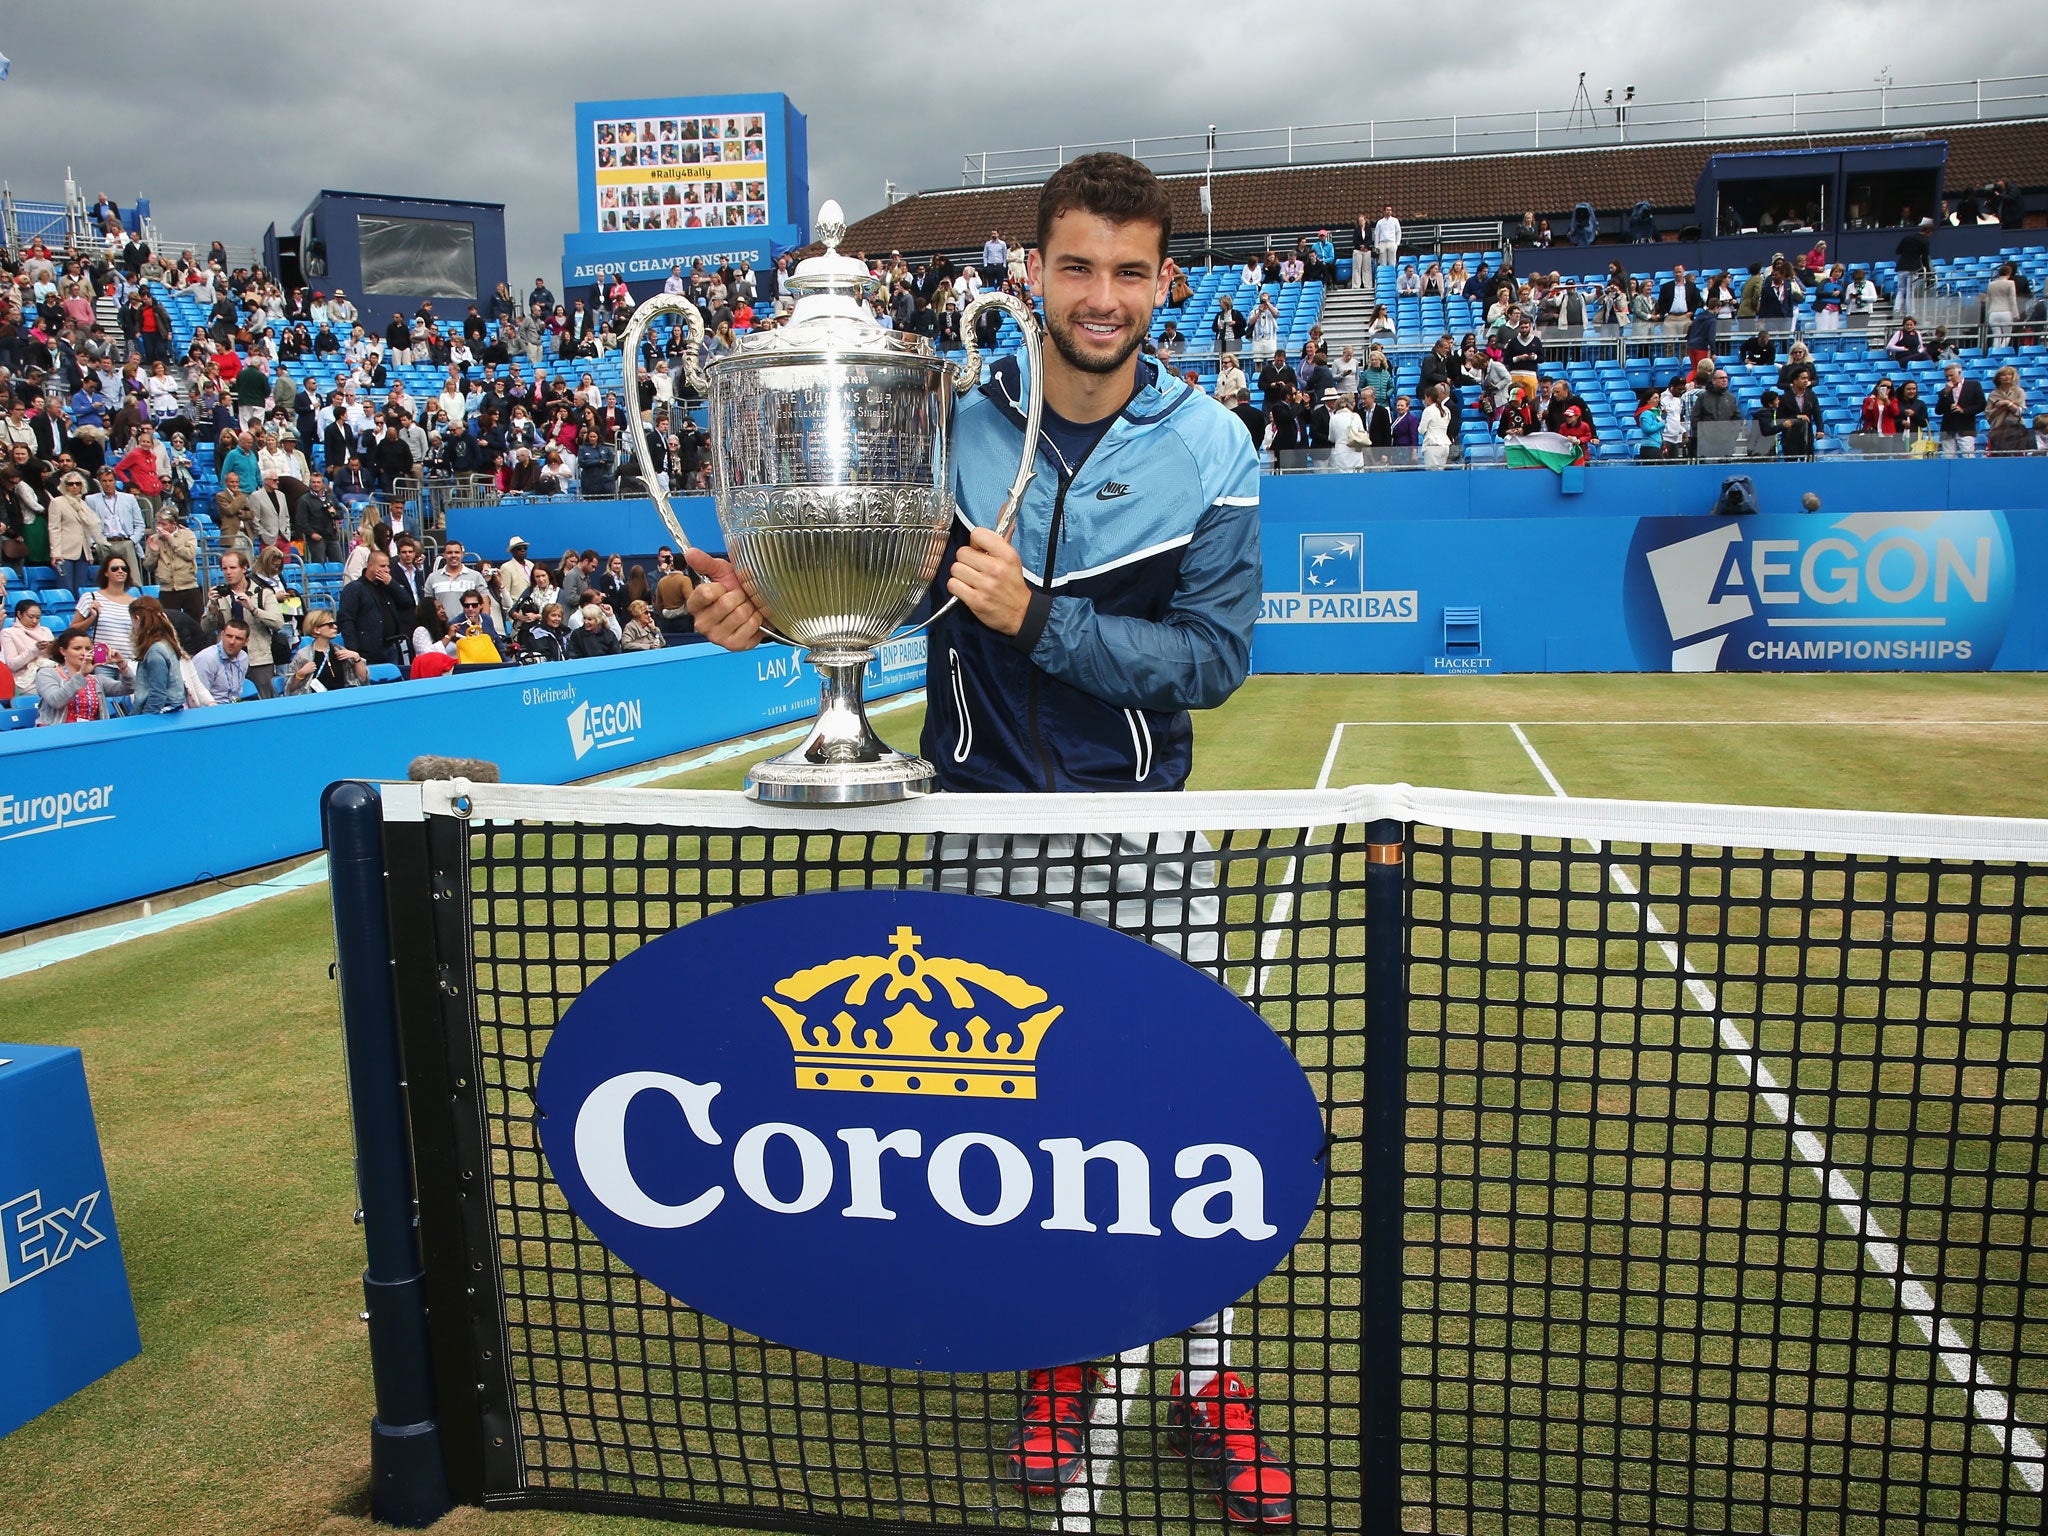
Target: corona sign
930	1131
1869	591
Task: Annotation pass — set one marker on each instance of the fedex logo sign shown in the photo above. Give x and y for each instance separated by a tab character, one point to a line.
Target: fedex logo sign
35	1238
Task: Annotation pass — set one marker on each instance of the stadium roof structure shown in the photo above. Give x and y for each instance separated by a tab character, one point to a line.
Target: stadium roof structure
1498	186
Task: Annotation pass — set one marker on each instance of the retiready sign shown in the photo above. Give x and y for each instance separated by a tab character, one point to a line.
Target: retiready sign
1870	591
930	1131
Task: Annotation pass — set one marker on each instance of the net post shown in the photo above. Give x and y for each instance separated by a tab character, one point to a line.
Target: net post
408	1486
1384	1170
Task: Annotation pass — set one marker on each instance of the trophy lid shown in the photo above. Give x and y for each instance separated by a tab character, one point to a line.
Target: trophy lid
830	315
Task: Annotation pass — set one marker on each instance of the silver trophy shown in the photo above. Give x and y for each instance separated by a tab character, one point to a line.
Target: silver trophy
829	441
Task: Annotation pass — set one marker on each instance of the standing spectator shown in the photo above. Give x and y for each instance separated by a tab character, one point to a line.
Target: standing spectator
578	572
172	550
120	515
1915	254
71	690
1716	418
995	260
270	517
1881	415
74	532
1678	297
1959	404
1348	436
1435	427
239	460
376	614
106	612
159	663
317	518
1912	411
223	667
2005	415
2002	305
448	584
1386	237
1799	418
392	458
241	599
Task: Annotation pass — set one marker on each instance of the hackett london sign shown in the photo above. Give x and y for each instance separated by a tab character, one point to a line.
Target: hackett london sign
930	1131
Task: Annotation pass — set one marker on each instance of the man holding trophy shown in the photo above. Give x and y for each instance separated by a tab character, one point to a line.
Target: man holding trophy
1072	653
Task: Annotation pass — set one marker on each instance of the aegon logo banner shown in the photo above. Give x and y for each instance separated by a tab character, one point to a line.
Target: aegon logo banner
1870	591
930	1131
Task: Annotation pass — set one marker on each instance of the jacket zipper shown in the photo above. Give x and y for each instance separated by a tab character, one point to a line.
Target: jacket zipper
1052	549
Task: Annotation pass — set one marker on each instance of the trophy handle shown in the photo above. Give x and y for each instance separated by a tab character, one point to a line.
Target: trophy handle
636	332
967	376
629	366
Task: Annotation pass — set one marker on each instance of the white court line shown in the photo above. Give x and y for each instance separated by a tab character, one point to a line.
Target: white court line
1987	1399
1081	1500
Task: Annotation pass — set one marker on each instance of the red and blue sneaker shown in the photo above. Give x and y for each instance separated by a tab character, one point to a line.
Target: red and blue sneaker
1050	1447
1214	1429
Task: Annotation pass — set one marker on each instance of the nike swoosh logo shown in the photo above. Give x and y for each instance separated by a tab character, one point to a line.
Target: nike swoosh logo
1111	491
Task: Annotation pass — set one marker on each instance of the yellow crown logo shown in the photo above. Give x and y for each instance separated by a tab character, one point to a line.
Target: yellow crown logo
901	1023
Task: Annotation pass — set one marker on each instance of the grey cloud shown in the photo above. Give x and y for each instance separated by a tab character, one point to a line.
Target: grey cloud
232	118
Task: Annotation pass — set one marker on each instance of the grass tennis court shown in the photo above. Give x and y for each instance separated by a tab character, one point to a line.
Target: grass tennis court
215	1059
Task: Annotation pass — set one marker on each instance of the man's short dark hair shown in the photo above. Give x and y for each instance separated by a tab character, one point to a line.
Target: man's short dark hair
1110	186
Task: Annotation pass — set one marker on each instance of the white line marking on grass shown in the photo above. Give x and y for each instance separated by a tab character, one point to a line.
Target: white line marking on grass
1081	1501
1987	1399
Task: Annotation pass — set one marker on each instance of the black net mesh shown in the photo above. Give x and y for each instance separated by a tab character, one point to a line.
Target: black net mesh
1722	1196
622	1398
1724	1199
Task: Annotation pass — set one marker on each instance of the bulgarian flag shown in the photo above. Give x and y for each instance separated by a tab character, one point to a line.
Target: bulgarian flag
1542	450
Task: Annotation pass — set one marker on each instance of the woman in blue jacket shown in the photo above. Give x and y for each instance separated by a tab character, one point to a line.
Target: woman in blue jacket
159	659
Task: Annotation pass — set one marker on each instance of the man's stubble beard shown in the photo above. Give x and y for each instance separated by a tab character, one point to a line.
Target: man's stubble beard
1065	343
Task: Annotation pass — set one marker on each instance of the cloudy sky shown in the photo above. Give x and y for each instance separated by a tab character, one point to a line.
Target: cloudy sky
230	117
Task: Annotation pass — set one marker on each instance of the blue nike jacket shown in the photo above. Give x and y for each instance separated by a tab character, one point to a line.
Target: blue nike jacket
1144	569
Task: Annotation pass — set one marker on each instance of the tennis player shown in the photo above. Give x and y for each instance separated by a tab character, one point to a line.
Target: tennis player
1126	600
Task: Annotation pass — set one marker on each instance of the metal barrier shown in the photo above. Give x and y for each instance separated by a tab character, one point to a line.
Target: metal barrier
1585	126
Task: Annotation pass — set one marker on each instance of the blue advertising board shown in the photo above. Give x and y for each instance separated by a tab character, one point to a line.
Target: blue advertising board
110	810
1908	566
908	1089
66	1316
666	178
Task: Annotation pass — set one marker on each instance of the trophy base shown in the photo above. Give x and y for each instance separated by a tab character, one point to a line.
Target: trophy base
842	761
793	779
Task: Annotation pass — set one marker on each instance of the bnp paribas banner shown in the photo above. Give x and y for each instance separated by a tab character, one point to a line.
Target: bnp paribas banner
1868	591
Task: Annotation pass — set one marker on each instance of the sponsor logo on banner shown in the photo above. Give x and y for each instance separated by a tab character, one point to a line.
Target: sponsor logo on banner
1871	591
35	1238
599	727
33	815
930	1131
1332	588
786	672
636	267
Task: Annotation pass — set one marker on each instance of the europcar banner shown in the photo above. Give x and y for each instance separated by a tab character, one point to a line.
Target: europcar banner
930	1131
1868	591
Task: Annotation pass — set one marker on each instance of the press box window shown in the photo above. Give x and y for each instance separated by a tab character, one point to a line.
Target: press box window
410	257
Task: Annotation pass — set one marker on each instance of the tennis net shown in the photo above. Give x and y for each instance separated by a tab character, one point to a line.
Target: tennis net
1684	1162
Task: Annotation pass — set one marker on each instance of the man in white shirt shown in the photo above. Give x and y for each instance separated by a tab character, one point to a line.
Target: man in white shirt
676	283
995	259
223	668
1386	238
340	311
269	518
451	579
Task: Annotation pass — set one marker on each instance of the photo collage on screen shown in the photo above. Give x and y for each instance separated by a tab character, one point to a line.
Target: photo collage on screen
694	172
